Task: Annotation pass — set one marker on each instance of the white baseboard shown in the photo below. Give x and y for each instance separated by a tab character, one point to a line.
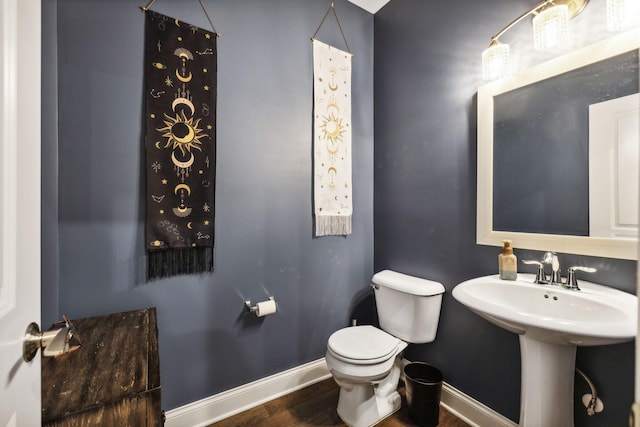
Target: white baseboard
223	405
470	410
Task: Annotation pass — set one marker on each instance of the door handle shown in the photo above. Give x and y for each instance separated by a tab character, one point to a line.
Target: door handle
53	343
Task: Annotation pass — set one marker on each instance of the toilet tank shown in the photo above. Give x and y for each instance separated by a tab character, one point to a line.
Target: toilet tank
408	307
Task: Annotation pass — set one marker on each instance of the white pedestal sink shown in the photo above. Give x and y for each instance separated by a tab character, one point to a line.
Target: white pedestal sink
550	321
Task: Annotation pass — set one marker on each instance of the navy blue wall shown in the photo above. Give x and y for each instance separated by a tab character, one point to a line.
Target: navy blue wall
93	239
427	72
426	77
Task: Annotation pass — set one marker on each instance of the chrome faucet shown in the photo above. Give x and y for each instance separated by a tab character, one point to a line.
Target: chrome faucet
552	259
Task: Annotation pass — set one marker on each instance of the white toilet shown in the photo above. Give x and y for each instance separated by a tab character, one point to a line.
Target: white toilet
366	362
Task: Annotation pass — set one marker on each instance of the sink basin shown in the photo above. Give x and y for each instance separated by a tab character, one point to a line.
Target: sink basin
550	322
595	315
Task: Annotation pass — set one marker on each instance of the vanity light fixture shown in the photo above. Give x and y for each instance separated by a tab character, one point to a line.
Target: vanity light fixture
550	27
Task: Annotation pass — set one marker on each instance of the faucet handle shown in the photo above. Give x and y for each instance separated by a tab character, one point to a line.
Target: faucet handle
552	259
541	278
572	282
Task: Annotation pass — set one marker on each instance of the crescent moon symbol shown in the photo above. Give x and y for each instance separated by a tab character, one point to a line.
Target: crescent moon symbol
331	149
158	145
332	169
184	79
188	137
184	101
333	88
183	165
177	23
183	53
332	106
182	212
333	130
181	186
189	225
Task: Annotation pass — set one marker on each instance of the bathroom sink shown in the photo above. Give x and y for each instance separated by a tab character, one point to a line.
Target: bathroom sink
594	315
550	322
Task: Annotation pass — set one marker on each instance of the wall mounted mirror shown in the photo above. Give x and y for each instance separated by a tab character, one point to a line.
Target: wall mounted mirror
539	176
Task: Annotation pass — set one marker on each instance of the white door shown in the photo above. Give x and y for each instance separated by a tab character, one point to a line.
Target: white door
20	30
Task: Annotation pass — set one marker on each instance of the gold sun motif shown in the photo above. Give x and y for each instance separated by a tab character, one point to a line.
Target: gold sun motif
332	128
183	133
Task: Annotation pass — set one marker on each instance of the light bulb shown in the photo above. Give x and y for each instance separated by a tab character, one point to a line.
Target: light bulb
496	61
622	14
550	27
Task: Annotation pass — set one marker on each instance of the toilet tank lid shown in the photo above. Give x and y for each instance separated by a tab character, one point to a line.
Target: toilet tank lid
409	284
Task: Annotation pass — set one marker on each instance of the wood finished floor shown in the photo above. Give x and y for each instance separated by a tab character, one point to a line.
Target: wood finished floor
316	406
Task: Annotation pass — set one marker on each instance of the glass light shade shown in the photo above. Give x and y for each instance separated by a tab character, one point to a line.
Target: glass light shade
551	27
622	14
496	62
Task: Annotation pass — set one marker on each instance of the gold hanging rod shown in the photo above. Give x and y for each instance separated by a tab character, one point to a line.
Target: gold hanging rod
331	9
144	9
575	8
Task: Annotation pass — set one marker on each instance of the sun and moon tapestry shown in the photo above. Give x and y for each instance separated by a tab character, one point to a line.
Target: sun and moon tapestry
332	140
180	68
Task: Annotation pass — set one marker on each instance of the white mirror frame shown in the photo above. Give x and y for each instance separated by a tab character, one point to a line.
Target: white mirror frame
623	248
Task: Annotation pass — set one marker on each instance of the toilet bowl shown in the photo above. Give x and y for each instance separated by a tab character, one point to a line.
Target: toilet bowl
368	379
366	362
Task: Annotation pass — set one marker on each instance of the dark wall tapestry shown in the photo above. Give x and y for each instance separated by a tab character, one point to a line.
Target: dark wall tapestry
180	92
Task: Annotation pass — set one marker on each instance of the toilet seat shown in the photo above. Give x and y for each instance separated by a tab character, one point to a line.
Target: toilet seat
363	345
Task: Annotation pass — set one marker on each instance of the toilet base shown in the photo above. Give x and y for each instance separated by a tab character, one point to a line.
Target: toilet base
366	404
370	411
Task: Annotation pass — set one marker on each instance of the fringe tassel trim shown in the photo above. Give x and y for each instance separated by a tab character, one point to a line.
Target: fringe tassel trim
333	225
175	262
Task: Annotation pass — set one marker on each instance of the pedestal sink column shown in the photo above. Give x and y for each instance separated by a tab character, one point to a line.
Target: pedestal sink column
547	375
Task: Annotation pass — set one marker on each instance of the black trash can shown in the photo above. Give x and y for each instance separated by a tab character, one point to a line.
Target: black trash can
423	388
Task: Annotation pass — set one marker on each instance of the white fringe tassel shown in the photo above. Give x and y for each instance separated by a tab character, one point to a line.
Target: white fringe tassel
333	225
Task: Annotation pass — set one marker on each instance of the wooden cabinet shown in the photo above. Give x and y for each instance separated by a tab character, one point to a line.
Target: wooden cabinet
112	380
